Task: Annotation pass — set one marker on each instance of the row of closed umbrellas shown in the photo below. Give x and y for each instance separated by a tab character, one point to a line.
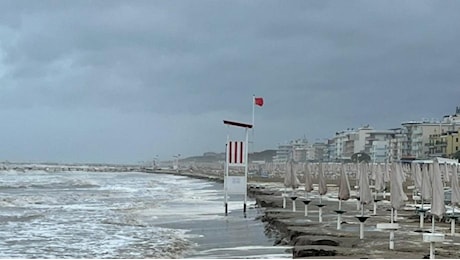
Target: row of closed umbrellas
427	178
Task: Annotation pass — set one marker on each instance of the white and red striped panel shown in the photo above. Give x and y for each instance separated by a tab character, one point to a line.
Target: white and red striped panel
235	152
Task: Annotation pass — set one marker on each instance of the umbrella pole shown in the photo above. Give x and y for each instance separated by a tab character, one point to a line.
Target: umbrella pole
339	216
306	204
306	210
452	221
361	224
432	223
320	211
422	214
284	198
431	250
293	206
375	202
452	227
396	215
392	239
391	217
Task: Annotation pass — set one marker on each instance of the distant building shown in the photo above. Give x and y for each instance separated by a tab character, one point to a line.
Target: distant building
341	145
397	144
319	152
348	142
378	144
298	149
453	143
418	137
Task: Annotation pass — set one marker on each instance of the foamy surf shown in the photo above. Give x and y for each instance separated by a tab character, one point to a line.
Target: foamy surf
123	215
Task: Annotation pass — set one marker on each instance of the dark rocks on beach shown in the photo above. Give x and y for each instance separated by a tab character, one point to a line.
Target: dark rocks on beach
422	231
313	251
269	204
321	241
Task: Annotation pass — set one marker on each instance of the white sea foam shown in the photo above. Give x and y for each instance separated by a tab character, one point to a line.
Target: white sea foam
108	215
84	215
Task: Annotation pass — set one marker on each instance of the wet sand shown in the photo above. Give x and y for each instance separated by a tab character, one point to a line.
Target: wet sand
310	238
305	237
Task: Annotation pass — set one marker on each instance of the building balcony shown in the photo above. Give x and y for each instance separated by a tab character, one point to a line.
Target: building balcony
436	144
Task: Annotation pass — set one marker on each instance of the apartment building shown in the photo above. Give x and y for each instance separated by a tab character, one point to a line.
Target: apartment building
453	143
298	149
443	137
378	144
444	145
348	142
418	137
319	152
341	144
397	144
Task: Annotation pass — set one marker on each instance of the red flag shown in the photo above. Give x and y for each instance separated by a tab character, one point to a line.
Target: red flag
259	101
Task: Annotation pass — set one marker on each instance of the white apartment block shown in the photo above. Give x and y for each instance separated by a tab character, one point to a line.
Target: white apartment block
348	142
418	137
379	144
339	144
298	149
397	144
301	151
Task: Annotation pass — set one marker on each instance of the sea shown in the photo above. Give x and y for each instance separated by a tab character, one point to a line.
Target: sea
129	215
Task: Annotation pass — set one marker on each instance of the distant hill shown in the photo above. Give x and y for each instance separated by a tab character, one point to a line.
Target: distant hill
266	156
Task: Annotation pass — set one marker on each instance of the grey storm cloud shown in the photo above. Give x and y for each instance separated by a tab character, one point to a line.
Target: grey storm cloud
157	76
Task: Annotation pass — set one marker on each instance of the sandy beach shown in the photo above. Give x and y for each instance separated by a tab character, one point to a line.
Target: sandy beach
305	237
310	238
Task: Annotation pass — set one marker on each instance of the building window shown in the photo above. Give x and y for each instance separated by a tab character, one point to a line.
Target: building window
456	139
456	148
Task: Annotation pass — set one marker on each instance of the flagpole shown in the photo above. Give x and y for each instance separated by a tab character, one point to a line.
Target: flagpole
253	110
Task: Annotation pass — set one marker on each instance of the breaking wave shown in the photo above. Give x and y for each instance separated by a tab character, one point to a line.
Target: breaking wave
89	215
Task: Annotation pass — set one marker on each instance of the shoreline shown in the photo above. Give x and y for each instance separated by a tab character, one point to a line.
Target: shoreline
310	238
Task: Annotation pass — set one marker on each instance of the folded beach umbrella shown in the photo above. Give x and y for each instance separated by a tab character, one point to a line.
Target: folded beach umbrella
446	175
416	175
344	194
426	190
437	200
379	178
365	195
308	179
308	185
455	197
322	190
322	187
290	177
398	196
387	172
344	186
379	184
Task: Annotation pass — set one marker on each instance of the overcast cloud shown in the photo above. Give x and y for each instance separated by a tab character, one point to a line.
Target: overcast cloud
123	81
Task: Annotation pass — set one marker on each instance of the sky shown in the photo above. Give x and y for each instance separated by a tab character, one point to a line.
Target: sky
129	81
